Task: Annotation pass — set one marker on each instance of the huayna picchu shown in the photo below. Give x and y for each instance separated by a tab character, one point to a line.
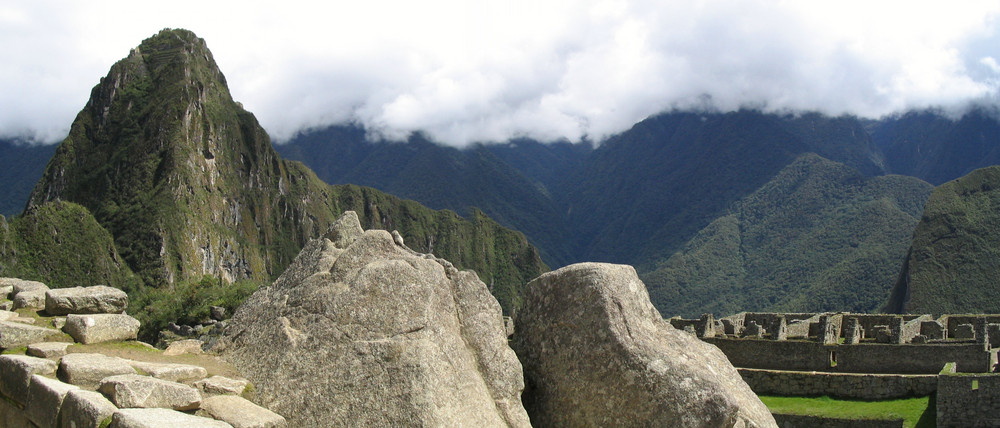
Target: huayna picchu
188	184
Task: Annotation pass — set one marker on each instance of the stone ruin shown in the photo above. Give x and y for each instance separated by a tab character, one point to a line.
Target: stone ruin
842	354
52	384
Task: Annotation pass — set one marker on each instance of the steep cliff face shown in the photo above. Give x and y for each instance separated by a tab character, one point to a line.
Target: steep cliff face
955	252
189	185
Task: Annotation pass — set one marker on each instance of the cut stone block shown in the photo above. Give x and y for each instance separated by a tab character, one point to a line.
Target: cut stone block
11	416
219	385
6	315
5	291
128	391
171	372
161	418
48	349
85	409
97	328
18	285
186	346
87	370
99	299
241	413
16	372
34	299
45	398
6	305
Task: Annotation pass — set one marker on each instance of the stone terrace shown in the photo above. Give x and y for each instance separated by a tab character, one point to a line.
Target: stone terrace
85	369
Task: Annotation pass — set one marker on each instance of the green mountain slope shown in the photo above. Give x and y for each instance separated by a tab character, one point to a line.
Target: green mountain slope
439	177
954	257
818	236
188	184
937	148
60	244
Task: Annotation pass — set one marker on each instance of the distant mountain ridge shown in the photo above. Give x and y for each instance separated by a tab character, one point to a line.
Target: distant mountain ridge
818	237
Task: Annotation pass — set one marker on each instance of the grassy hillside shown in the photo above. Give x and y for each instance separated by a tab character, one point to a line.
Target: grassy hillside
60	244
819	236
954	257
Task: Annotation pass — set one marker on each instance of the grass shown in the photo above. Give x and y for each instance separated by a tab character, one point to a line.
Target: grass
916	412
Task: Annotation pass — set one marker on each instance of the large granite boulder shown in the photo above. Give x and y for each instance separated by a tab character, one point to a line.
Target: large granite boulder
99	299
132	390
15	334
597	353
362	331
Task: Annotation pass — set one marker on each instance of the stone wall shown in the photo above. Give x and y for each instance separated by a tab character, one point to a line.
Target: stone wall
839	385
911	358
801	421
968	400
774	355
952	322
859	358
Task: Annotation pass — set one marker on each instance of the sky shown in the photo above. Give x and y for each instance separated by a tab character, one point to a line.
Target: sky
487	71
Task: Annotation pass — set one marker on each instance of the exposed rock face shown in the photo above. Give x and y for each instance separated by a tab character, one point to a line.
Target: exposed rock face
597	353
385	336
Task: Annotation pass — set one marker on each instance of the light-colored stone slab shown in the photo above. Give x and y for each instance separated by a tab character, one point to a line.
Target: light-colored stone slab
85	409
97	328
13	334
241	413
16	372
22	320
87	370
48	349
171	372
45	398
6	305
5	291
6	315
99	299
34	299
127	391
161	418
18	285
220	385
186	346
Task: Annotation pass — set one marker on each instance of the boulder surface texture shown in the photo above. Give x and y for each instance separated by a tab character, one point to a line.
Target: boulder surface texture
99	299
362	331
597	353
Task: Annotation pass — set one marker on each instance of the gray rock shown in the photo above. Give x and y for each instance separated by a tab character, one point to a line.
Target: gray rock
161	418
6	315
18	285
220	385
217	313
45	398
48	349
16	372
399	341
99	299
241	413
132	390
14	334
597	353
6	305
85	409
87	370
171	372
32	299
6	290
186	346
97	328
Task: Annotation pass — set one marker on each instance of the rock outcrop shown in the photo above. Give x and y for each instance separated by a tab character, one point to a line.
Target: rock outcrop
362	331
597	353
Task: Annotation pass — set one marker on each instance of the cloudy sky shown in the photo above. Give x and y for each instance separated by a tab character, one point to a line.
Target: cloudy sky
487	70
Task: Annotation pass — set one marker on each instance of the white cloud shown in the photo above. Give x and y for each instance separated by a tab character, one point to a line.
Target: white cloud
490	70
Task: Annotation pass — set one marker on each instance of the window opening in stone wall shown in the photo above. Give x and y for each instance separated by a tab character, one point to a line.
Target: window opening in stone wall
833	358
975	385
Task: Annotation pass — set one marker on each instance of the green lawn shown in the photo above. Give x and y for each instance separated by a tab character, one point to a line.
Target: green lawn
916	412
